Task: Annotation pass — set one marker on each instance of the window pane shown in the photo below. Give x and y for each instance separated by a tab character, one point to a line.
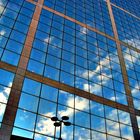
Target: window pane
2	110
66	98
47	108
113	128
81	133
45	126
98	123
28	102
22	133
11	58
49	92
98	136
126	132
97	108
25	120
80	118
31	87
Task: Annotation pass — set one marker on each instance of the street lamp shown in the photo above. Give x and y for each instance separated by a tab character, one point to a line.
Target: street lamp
58	123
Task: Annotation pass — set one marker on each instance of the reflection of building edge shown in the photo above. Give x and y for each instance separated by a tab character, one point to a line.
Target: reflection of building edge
21	72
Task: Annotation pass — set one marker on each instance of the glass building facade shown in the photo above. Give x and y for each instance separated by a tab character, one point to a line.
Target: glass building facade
76	58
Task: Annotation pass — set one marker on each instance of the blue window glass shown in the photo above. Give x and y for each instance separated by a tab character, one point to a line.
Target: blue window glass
98	136
126	132
14	46
13	6
31	87
124	117
121	98
111	113
67	78
21	27
81	133
3	3
68	56
6	78
35	66
98	123
28	102
119	86
97	108
26	12
4	31
96	89
52	73
66	98
43	27
25	120
38	55
10	58
18	36
22	133
53	61
68	67
111	129
10	13
24	19
47	13
42	46
6	21
29	5
41	35
55	51
47	108
3	41
80	118
49	93
1	51
45	20
81	83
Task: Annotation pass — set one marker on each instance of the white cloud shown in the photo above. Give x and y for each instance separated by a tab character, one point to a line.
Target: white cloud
96	89
2	32
83	30
45	125
40	137
70	102
113	128
48	39
1	7
98	136
133	42
81	103
2	109
4	94
68	112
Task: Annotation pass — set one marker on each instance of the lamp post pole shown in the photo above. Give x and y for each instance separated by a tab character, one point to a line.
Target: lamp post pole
58	123
60	130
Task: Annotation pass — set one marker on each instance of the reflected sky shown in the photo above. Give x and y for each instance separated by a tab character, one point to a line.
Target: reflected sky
5	88
77	108
97	71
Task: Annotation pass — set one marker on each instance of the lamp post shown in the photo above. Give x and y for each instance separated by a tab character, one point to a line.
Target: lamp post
58	123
